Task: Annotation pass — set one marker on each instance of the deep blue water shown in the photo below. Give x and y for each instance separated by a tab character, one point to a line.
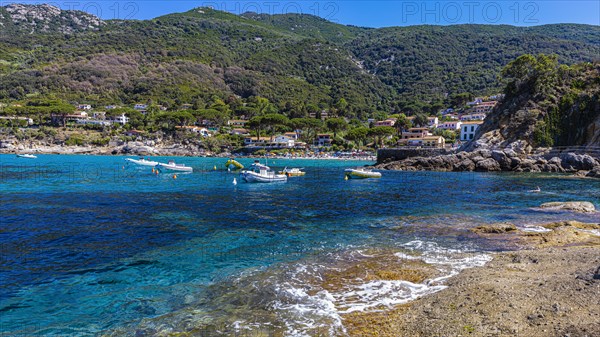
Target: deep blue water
89	244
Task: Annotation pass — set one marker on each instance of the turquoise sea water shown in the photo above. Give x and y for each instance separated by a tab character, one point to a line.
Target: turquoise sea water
91	245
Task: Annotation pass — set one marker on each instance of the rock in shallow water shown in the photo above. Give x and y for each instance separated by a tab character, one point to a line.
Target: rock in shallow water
576	206
495	228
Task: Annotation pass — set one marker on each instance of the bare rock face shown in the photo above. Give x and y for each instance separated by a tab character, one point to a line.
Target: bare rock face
575	206
578	162
47	18
487	165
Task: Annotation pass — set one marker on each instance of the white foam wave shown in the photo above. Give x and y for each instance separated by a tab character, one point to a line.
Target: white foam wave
592	231
535	229
374	295
307	309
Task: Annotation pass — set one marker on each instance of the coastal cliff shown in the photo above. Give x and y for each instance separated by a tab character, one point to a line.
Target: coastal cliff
549	121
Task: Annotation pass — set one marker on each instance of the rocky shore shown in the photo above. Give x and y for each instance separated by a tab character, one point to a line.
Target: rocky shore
550	288
515	158
136	148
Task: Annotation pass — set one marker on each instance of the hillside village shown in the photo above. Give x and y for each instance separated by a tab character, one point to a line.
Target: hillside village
322	131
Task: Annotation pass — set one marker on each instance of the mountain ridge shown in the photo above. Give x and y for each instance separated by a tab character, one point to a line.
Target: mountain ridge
189	57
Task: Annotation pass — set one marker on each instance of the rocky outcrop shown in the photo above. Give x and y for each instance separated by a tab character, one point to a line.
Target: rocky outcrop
45	18
495	228
575	206
512	158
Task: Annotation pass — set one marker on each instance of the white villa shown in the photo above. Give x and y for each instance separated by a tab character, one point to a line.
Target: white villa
473	117
121	119
468	130
450	125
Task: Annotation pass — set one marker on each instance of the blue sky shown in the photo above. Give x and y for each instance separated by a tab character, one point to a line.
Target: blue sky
367	13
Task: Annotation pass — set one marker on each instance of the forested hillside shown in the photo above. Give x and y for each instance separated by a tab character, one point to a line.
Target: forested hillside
299	62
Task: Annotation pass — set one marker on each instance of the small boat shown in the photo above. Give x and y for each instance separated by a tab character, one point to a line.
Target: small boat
292	172
233	164
361	173
142	161
258	173
175	167
30	156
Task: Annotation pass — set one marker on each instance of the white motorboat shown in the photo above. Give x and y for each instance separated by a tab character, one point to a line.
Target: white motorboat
175	167
258	173
361	173
30	156
292	172
142	161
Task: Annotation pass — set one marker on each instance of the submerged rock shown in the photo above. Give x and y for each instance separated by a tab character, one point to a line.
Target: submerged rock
495	228
575	206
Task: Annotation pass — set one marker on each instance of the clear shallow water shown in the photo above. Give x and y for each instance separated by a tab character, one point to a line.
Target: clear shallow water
89	244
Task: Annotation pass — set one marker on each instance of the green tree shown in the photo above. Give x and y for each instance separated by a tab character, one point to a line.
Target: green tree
213	115
402	123
336	125
380	133
421	120
170	119
256	123
358	135
529	72
274	121
259	106
339	108
308	126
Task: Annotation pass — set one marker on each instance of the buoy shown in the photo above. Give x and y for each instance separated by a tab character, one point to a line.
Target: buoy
123	167
228	169
174	176
152	170
345	177
215	167
234	181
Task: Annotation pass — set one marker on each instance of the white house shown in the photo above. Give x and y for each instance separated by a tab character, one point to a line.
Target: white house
84	107
292	135
121	119
283	141
433	122
29	120
468	130
195	129
473	117
476	101
140	106
450	125
93	122
256	141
